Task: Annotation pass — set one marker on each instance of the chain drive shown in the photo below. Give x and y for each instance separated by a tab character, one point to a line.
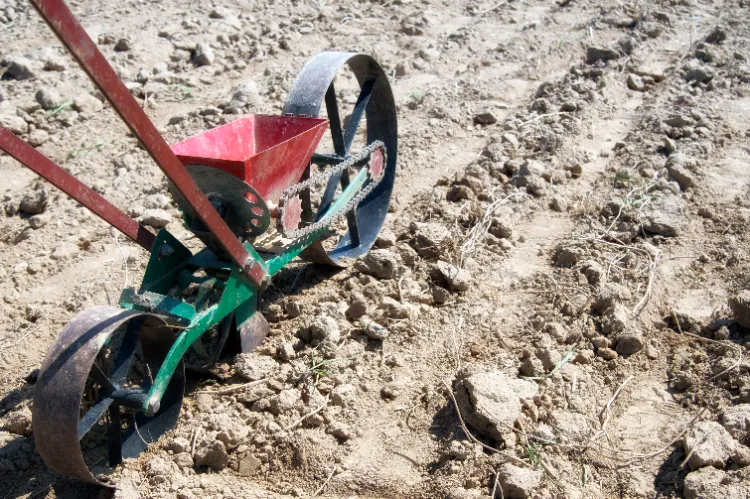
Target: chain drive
322	179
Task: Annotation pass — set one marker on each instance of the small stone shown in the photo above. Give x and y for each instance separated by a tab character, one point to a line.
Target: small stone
584	357
214	455
383	264
678	171
484	118
19	68
595	54
248	95
35	202
698	74
440	295
324	327
248	465
709	444
635	82
491	401
14	123
156	218
38	137
356	309
204	54
629	342
87	104
716	36
372	329
663	217
122	45
293	309
736	420
519	483
48	98
457	279
606	353
556	330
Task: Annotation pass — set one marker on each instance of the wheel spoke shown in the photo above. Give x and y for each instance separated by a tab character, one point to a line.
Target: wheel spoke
127	349
92	416
104	382
359	110
114	436
334	120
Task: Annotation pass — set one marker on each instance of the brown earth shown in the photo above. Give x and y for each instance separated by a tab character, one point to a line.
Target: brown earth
598	215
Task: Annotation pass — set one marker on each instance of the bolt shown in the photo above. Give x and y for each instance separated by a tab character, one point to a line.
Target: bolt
166	250
153	406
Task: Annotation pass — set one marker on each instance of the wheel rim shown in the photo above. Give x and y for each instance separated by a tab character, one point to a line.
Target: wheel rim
313	88
69	373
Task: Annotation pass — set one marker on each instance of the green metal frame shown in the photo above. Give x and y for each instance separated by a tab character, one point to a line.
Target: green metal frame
166	269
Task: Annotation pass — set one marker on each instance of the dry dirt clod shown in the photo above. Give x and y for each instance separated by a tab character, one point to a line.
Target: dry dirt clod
710	483
595	54
609	294
324	327
35	202
629	343
204	54
253	366
18	421
456	278
491	402
428	238
156	218
87	104
383	264
736	420
709	444
214	455
677	167
740	307
517	482
372	329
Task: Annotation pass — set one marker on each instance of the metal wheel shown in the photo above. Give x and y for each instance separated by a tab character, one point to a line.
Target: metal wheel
91	390
314	87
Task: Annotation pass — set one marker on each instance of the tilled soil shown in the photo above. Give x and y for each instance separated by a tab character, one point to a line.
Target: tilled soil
564	261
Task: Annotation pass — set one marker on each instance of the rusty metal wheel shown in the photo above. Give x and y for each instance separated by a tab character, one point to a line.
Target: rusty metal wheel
92	387
313	88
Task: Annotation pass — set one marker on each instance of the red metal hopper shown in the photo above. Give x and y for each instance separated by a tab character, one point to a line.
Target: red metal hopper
269	153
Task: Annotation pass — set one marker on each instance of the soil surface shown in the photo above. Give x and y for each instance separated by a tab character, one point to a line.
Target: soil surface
556	305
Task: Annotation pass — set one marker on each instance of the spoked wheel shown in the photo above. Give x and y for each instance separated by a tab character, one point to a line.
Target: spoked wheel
315	86
91	390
